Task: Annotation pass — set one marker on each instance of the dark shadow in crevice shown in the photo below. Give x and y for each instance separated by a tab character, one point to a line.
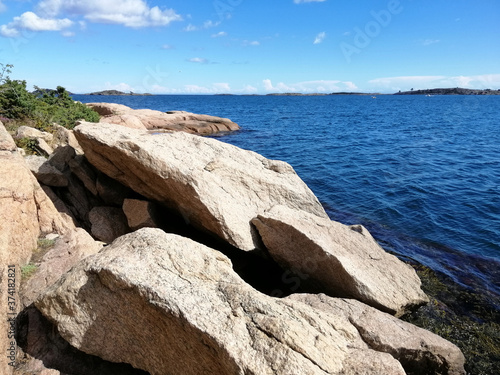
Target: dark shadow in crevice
40	339
256	267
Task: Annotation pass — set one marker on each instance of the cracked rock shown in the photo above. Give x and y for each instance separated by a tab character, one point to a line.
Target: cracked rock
168	305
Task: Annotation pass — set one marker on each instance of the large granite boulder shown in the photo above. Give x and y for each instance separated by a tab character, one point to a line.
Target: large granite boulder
339	260
169	305
215	186
32	133
173	120
25	213
418	350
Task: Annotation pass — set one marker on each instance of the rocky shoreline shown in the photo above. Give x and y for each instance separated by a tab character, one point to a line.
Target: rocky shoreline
173	253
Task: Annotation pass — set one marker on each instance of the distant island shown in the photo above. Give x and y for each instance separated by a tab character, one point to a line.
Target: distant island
453	91
322	94
116	92
446	91
439	91
303	94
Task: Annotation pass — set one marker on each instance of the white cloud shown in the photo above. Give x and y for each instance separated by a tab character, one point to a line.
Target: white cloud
206	25
307	1
216	88
248	89
209	24
393	84
3	8
198	60
125	87
8	32
350	86
219	34
319	86
190	27
222	87
30	21
268	86
130	13
68	34
319	38
428	42
254	43
167	46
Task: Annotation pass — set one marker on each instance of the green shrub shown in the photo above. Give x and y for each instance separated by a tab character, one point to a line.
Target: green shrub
27	144
42	109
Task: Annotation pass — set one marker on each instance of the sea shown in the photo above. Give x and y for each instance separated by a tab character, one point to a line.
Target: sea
421	173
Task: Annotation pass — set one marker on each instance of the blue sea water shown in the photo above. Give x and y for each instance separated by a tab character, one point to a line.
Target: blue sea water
421	173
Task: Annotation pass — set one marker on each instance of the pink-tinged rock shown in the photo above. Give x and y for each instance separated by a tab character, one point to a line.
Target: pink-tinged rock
156	120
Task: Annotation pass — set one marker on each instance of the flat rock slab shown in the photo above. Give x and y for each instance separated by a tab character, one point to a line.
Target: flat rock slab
339	260
168	305
216	187
172	120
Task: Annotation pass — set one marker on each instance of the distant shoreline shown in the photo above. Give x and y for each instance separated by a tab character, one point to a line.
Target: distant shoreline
450	91
116	93
429	92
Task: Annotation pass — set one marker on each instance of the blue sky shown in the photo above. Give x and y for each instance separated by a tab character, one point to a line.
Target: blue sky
252	46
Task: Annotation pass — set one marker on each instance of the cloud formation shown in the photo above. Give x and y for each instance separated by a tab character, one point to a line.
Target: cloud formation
307	1
198	60
319	38
30	21
320	86
129	13
219	34
247	43
48	15
3	8
428	42
206	25
393	84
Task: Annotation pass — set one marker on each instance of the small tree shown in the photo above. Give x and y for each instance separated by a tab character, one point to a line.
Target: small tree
5	70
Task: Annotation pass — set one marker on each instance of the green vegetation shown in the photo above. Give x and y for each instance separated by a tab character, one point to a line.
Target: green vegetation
468	319
29	145
45	244
28	270
42	109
